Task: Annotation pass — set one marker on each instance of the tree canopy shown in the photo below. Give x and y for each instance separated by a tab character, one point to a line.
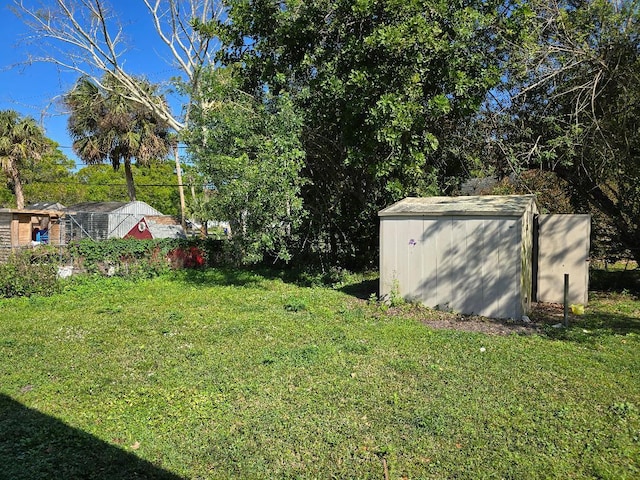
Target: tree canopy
379	85
570	104
105	125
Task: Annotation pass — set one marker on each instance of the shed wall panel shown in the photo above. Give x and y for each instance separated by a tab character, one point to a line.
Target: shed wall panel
388	255
507	243
5	235
56	233
25	229
439	238
414	258
495	282
563	247
428	287
466	264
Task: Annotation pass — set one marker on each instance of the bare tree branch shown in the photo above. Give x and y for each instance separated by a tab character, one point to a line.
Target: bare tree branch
85	36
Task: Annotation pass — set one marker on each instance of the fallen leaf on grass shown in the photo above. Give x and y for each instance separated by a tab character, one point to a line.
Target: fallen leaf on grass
135	446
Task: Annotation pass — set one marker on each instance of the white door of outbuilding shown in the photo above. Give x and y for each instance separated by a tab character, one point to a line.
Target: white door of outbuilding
563	248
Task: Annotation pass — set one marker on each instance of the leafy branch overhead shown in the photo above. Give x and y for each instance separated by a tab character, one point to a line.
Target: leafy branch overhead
380	85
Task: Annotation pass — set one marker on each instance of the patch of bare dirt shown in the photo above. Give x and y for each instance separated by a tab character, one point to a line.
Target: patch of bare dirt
542	314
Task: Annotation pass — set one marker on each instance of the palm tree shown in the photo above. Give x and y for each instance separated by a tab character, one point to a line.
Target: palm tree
105	125
21	140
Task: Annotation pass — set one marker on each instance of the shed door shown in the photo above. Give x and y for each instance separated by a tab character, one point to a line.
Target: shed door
563	247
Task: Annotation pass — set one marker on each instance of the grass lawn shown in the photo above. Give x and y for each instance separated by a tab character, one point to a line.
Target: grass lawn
227	374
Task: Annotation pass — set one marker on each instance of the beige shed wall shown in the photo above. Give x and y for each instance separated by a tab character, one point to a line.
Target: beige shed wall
563	247
468	264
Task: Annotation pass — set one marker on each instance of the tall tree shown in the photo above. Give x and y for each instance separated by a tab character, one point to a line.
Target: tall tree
381	82
105	125
570	104
21	141
249	150
87	36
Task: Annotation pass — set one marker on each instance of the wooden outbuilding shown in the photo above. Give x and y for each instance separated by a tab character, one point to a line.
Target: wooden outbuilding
28	227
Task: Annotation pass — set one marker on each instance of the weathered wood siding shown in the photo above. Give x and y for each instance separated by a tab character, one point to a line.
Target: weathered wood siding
25	223
5	235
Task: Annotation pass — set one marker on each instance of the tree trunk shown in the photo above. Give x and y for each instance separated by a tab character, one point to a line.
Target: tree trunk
17	185
180	191
131	189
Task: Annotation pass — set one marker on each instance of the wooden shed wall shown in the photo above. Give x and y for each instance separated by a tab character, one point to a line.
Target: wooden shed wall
5	235
469	264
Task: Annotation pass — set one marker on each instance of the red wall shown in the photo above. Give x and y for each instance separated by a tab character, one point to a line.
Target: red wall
140	231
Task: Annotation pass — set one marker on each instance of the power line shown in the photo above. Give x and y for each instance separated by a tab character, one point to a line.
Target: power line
48	182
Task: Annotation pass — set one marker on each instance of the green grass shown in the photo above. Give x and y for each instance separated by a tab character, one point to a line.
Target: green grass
228	374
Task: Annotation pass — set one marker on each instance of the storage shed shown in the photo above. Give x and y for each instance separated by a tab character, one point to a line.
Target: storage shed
24	228
103	220
471	255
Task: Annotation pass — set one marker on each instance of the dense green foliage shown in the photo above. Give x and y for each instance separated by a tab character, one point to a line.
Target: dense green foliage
32	272
233	374
249	151
155	184
378	85
143	258
51	179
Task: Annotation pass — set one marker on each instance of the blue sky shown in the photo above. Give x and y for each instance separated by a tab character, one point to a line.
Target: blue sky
34	90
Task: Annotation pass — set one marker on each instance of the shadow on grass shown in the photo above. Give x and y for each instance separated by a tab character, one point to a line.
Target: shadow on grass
362	290
591	327
226	276
254	276
615	281
608	313
36	446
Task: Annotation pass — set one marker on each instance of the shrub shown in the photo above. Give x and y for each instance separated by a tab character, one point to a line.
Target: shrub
122	257
145	258
29	272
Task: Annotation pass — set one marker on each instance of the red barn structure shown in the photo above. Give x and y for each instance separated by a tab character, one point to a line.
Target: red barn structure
103	220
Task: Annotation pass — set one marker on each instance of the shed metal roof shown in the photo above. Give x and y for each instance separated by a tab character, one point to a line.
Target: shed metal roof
130	208
500	205
46	206
104	207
